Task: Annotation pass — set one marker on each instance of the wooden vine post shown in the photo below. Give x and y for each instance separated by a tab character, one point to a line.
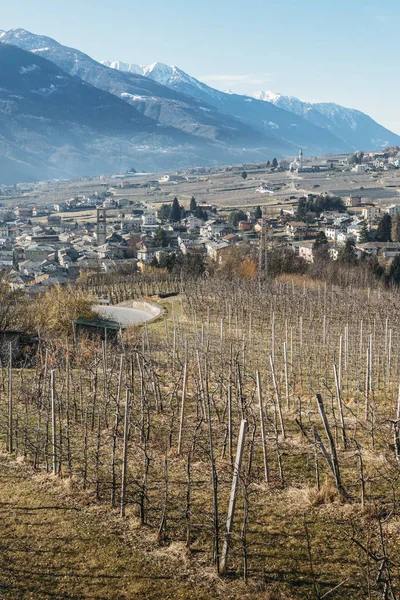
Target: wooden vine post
53	420
10	404
125	455
232	499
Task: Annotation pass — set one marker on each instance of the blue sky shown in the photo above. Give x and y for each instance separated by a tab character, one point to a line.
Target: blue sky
341	51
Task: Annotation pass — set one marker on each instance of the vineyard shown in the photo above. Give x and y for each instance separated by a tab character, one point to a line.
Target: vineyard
257	424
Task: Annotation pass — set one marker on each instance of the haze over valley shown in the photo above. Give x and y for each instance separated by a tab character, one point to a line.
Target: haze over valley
158	117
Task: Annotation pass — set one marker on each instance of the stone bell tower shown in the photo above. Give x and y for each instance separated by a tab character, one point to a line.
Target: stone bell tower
101	229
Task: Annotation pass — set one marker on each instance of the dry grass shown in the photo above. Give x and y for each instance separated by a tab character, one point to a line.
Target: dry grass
325	495
56	543
288	520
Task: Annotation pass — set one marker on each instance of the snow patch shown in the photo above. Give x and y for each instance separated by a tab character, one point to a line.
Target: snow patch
45	91
124	67
267	96
132	96
29	69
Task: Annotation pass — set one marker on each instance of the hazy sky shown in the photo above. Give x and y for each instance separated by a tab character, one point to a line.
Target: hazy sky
344	51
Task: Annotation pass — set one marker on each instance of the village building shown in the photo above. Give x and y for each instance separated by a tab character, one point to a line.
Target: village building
371	212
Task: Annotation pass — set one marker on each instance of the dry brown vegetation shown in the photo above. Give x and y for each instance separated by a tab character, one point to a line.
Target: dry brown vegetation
148	427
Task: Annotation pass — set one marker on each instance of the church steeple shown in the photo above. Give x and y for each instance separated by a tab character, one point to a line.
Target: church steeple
101	229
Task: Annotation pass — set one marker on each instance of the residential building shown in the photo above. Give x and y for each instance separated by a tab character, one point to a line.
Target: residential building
384	250
38	252
332	233
305	250
371	212
149	219
352	201
393	210
297	229
216	250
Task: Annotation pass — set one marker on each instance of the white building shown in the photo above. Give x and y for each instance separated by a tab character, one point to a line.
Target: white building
360	169
298	165
172	179
149	219
193	223
393	210
344	236
306	251
332	233
370	213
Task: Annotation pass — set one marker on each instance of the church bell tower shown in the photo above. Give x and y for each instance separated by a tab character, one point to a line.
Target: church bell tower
101	229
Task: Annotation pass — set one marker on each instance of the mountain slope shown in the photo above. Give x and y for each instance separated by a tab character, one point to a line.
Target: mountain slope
166	106
267	118
56	125
354	127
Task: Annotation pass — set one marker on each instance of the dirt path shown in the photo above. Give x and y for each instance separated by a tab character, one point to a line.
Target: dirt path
53	547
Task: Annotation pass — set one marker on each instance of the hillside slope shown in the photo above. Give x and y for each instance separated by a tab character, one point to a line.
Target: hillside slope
165	106
354	127
56	544
266	118
53	124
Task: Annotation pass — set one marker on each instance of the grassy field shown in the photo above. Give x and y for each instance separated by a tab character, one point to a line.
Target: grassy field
57	543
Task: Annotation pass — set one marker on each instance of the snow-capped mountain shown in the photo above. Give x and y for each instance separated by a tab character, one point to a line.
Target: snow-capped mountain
53	124
267	96
354	127
172	77
165	106
253	111
152	117
125	67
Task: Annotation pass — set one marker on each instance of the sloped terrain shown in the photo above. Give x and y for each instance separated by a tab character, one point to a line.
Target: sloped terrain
352	126
55	125
167	107
55	544
265	117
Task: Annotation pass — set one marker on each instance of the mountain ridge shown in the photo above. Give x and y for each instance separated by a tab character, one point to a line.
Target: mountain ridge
160	103
352	125
71	116
53	124
356	129
265	119
196	109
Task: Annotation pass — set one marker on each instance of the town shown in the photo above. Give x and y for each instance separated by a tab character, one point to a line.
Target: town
133	221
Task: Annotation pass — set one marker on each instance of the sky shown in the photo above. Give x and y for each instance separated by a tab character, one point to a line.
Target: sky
344	51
